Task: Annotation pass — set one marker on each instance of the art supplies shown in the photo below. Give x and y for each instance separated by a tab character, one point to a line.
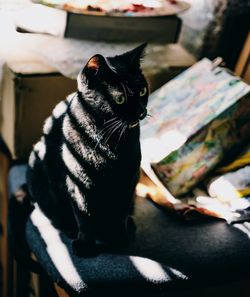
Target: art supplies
199	119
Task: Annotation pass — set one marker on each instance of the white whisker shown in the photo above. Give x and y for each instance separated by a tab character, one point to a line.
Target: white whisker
112	132
108	126
110	120
123	128
102	133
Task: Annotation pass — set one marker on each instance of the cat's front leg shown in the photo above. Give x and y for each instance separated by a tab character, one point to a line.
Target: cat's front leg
122	233
128	229
84	244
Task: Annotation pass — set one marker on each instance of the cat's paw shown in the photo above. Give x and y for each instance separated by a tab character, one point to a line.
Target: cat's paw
84	248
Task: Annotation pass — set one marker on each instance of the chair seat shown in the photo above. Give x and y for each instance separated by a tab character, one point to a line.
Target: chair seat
166	253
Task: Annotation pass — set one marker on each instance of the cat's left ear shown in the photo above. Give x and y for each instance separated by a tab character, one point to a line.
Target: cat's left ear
136	55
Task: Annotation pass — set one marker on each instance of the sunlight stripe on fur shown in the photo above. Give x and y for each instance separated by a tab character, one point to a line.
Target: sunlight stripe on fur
57	250
75	139
70	97
74	167
40	148
75	194
82	87
59	109
32	159
84	121
48	125
83	118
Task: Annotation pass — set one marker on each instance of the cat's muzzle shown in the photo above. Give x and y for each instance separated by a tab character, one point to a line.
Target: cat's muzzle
136	123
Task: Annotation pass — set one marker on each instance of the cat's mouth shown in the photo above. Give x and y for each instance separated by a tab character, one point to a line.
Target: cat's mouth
136	123
133	124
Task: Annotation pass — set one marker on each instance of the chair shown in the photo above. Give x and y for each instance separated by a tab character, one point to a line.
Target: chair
169	257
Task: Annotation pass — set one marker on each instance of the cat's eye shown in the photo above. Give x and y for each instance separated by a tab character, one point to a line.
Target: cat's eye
120	100
143	92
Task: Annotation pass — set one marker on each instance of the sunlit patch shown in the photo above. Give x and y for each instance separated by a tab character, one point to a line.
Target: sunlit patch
143	190
150	269
217	207
40	148
82	87
225	200
48	125
245	228
75	140
32	159
70	97
59	109
178	273
75	193
83	119
74	167
158	148
223	190
57	250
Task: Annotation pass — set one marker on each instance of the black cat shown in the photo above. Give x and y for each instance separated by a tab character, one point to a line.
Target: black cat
83	172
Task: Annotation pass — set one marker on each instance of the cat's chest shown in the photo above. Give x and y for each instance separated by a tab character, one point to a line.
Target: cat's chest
125	167
127	156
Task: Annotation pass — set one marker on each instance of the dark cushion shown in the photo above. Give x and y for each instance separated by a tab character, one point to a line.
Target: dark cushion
166	253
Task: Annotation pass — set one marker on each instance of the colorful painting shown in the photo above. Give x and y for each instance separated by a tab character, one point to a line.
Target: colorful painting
197	120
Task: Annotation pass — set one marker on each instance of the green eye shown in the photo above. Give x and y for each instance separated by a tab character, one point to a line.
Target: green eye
120	100
143	92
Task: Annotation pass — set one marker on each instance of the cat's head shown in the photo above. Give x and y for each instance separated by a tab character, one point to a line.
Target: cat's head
117	85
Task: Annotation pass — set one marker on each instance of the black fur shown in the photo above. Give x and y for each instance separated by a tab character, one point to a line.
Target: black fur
84	171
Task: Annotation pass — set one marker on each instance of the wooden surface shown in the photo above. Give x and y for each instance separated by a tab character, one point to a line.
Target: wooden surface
60	291
243	65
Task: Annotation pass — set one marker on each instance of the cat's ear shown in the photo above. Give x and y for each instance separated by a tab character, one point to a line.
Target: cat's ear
135	55
96	65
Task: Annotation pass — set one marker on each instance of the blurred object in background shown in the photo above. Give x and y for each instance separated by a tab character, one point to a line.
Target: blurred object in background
227	32
216	28
109	21
195	23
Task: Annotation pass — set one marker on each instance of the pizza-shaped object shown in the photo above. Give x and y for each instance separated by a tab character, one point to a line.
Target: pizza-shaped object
120	8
